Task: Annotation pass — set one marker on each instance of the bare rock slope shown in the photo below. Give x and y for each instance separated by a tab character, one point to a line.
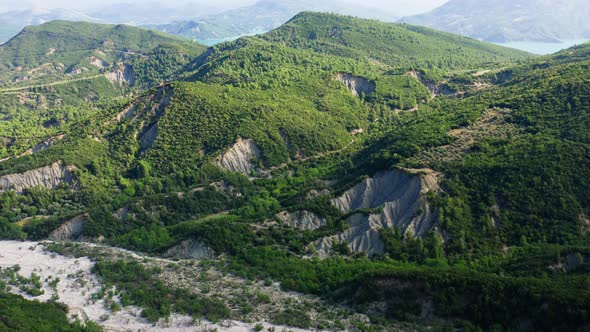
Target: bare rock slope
123	75
304	220
50	177
241	157
46	144
433	87
356	85
70	230
401	198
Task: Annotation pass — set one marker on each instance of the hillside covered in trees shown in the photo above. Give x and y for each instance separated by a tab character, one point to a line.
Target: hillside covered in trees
410	175
54	75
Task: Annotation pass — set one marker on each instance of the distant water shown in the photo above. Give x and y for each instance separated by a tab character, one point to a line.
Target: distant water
211	42
543	48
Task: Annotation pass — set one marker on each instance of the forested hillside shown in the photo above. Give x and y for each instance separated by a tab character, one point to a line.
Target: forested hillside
418	178
55	75
73	38
392	44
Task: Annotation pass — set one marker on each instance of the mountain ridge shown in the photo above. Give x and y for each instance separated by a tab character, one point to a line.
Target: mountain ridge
417	179
506	21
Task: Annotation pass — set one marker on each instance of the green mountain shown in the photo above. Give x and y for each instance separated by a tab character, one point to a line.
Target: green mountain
57	73
63	47
392	44
12	22
407	177
288	82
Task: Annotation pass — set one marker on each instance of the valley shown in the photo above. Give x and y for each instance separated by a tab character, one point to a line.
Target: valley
333	174
72	280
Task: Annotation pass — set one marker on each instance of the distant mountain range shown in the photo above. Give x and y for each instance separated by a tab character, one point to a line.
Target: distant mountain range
191	21
503	21
155	12
14	21
334	174
260	17
500	21
36	16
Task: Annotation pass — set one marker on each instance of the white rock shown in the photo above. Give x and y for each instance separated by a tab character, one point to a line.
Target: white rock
356	85
70	230
241	157
49	177
401	196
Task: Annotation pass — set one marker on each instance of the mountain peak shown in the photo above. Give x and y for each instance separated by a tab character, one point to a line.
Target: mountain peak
390	43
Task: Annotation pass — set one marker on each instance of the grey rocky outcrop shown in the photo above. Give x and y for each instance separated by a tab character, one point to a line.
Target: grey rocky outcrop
399	200
303	220
356	85
122	74
149	137
190	249
38	148
241	158
98	62
50	177
434	88
126	113
122	213
317	193
46	144
71	230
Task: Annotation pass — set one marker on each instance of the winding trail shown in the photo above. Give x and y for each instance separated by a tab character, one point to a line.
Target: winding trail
14	90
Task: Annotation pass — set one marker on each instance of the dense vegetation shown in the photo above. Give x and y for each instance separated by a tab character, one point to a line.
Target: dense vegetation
142	288
392	44
72	41
54	76
511	141
18	314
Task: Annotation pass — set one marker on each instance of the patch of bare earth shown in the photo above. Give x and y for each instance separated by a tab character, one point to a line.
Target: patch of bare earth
492	124
250	302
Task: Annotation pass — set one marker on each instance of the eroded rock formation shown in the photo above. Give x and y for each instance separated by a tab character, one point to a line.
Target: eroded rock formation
304	220
145	112
46	144
356	85
398	200
71	230
241	158
38	148
121	75
435	89
149	137
50	177
98	62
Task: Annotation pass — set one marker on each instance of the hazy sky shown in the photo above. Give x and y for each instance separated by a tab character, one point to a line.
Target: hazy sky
85	4
403	7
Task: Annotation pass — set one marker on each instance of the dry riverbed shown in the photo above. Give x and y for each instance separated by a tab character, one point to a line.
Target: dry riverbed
46	275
